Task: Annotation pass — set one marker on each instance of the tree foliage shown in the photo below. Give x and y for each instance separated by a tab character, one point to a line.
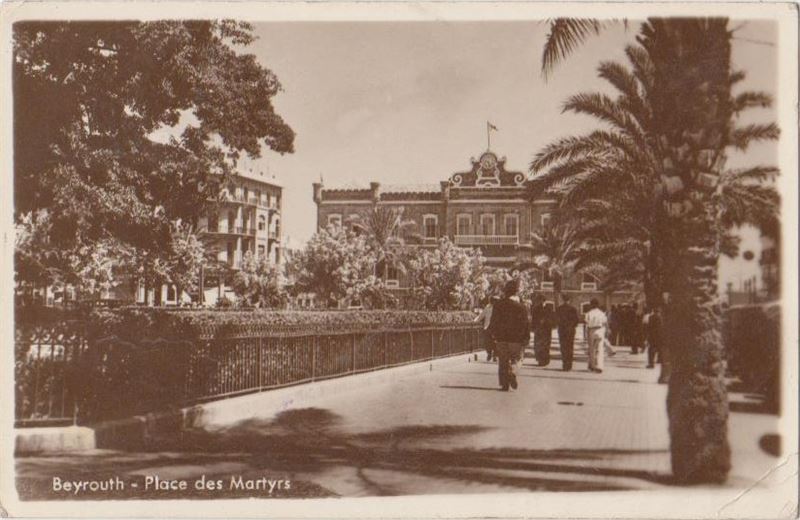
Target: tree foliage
95	104
447	278
185	258
260	282
338	264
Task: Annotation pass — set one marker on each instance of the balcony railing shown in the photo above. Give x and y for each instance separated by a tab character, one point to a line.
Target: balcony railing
252	201
486	240
230	230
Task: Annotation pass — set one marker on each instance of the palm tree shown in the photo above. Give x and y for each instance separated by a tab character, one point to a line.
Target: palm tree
692	57
555	249
385	228
683	129
611	179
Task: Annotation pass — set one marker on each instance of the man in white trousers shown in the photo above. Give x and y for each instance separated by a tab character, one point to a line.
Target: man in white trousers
596	324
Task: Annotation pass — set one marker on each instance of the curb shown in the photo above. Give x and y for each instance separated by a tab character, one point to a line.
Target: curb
141	431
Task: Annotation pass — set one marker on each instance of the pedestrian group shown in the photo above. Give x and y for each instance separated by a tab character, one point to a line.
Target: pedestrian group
507	327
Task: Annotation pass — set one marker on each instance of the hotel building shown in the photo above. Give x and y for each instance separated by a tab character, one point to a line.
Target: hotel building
248	218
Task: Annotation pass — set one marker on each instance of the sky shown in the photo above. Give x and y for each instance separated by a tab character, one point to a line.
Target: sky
408	102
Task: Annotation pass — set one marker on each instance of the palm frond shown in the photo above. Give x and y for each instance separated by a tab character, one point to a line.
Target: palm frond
643	68
620	77
601	179
747	100
630	87
604	108
598	145
625	251
754	174
736	76
565	35
742	137
561	172
564	149
758	205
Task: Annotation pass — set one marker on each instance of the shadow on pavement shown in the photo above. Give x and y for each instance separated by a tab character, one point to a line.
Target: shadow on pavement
599	377
313	441
461	387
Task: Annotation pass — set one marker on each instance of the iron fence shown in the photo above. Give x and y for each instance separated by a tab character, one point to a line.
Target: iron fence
64	377
46	366
221	367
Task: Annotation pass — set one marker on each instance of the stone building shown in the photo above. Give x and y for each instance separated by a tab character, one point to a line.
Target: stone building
485	207
247	219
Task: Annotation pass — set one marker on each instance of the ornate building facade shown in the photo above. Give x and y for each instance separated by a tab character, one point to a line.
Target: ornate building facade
485	207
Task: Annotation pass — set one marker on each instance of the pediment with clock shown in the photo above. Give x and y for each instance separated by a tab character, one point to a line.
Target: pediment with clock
488	172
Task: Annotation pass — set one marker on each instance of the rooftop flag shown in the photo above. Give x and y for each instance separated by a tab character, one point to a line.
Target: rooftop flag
489	128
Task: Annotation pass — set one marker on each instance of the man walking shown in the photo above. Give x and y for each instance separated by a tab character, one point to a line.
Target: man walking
510	330
613	324
485	318
542	321
653	328
637	332
567	317
596	323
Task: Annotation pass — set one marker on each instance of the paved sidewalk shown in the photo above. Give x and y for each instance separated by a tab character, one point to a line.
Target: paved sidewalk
446	431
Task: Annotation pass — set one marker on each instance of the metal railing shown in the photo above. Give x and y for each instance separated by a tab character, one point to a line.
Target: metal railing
46	369
62	377
476	240
225	367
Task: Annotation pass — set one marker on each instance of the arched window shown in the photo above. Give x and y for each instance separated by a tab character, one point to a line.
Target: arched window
262	223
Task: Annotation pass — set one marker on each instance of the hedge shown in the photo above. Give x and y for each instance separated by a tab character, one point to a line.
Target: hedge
752	337
134	323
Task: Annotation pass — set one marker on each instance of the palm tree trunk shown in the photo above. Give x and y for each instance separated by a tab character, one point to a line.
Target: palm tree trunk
692	66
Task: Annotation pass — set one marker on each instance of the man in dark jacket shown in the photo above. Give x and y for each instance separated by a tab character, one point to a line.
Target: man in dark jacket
653	330
510	330
542	321
567	317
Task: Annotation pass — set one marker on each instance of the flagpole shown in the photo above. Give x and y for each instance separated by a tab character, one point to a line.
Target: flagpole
488	137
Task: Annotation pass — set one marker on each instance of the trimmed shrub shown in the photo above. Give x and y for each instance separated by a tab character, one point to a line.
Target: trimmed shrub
752	338
135	323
